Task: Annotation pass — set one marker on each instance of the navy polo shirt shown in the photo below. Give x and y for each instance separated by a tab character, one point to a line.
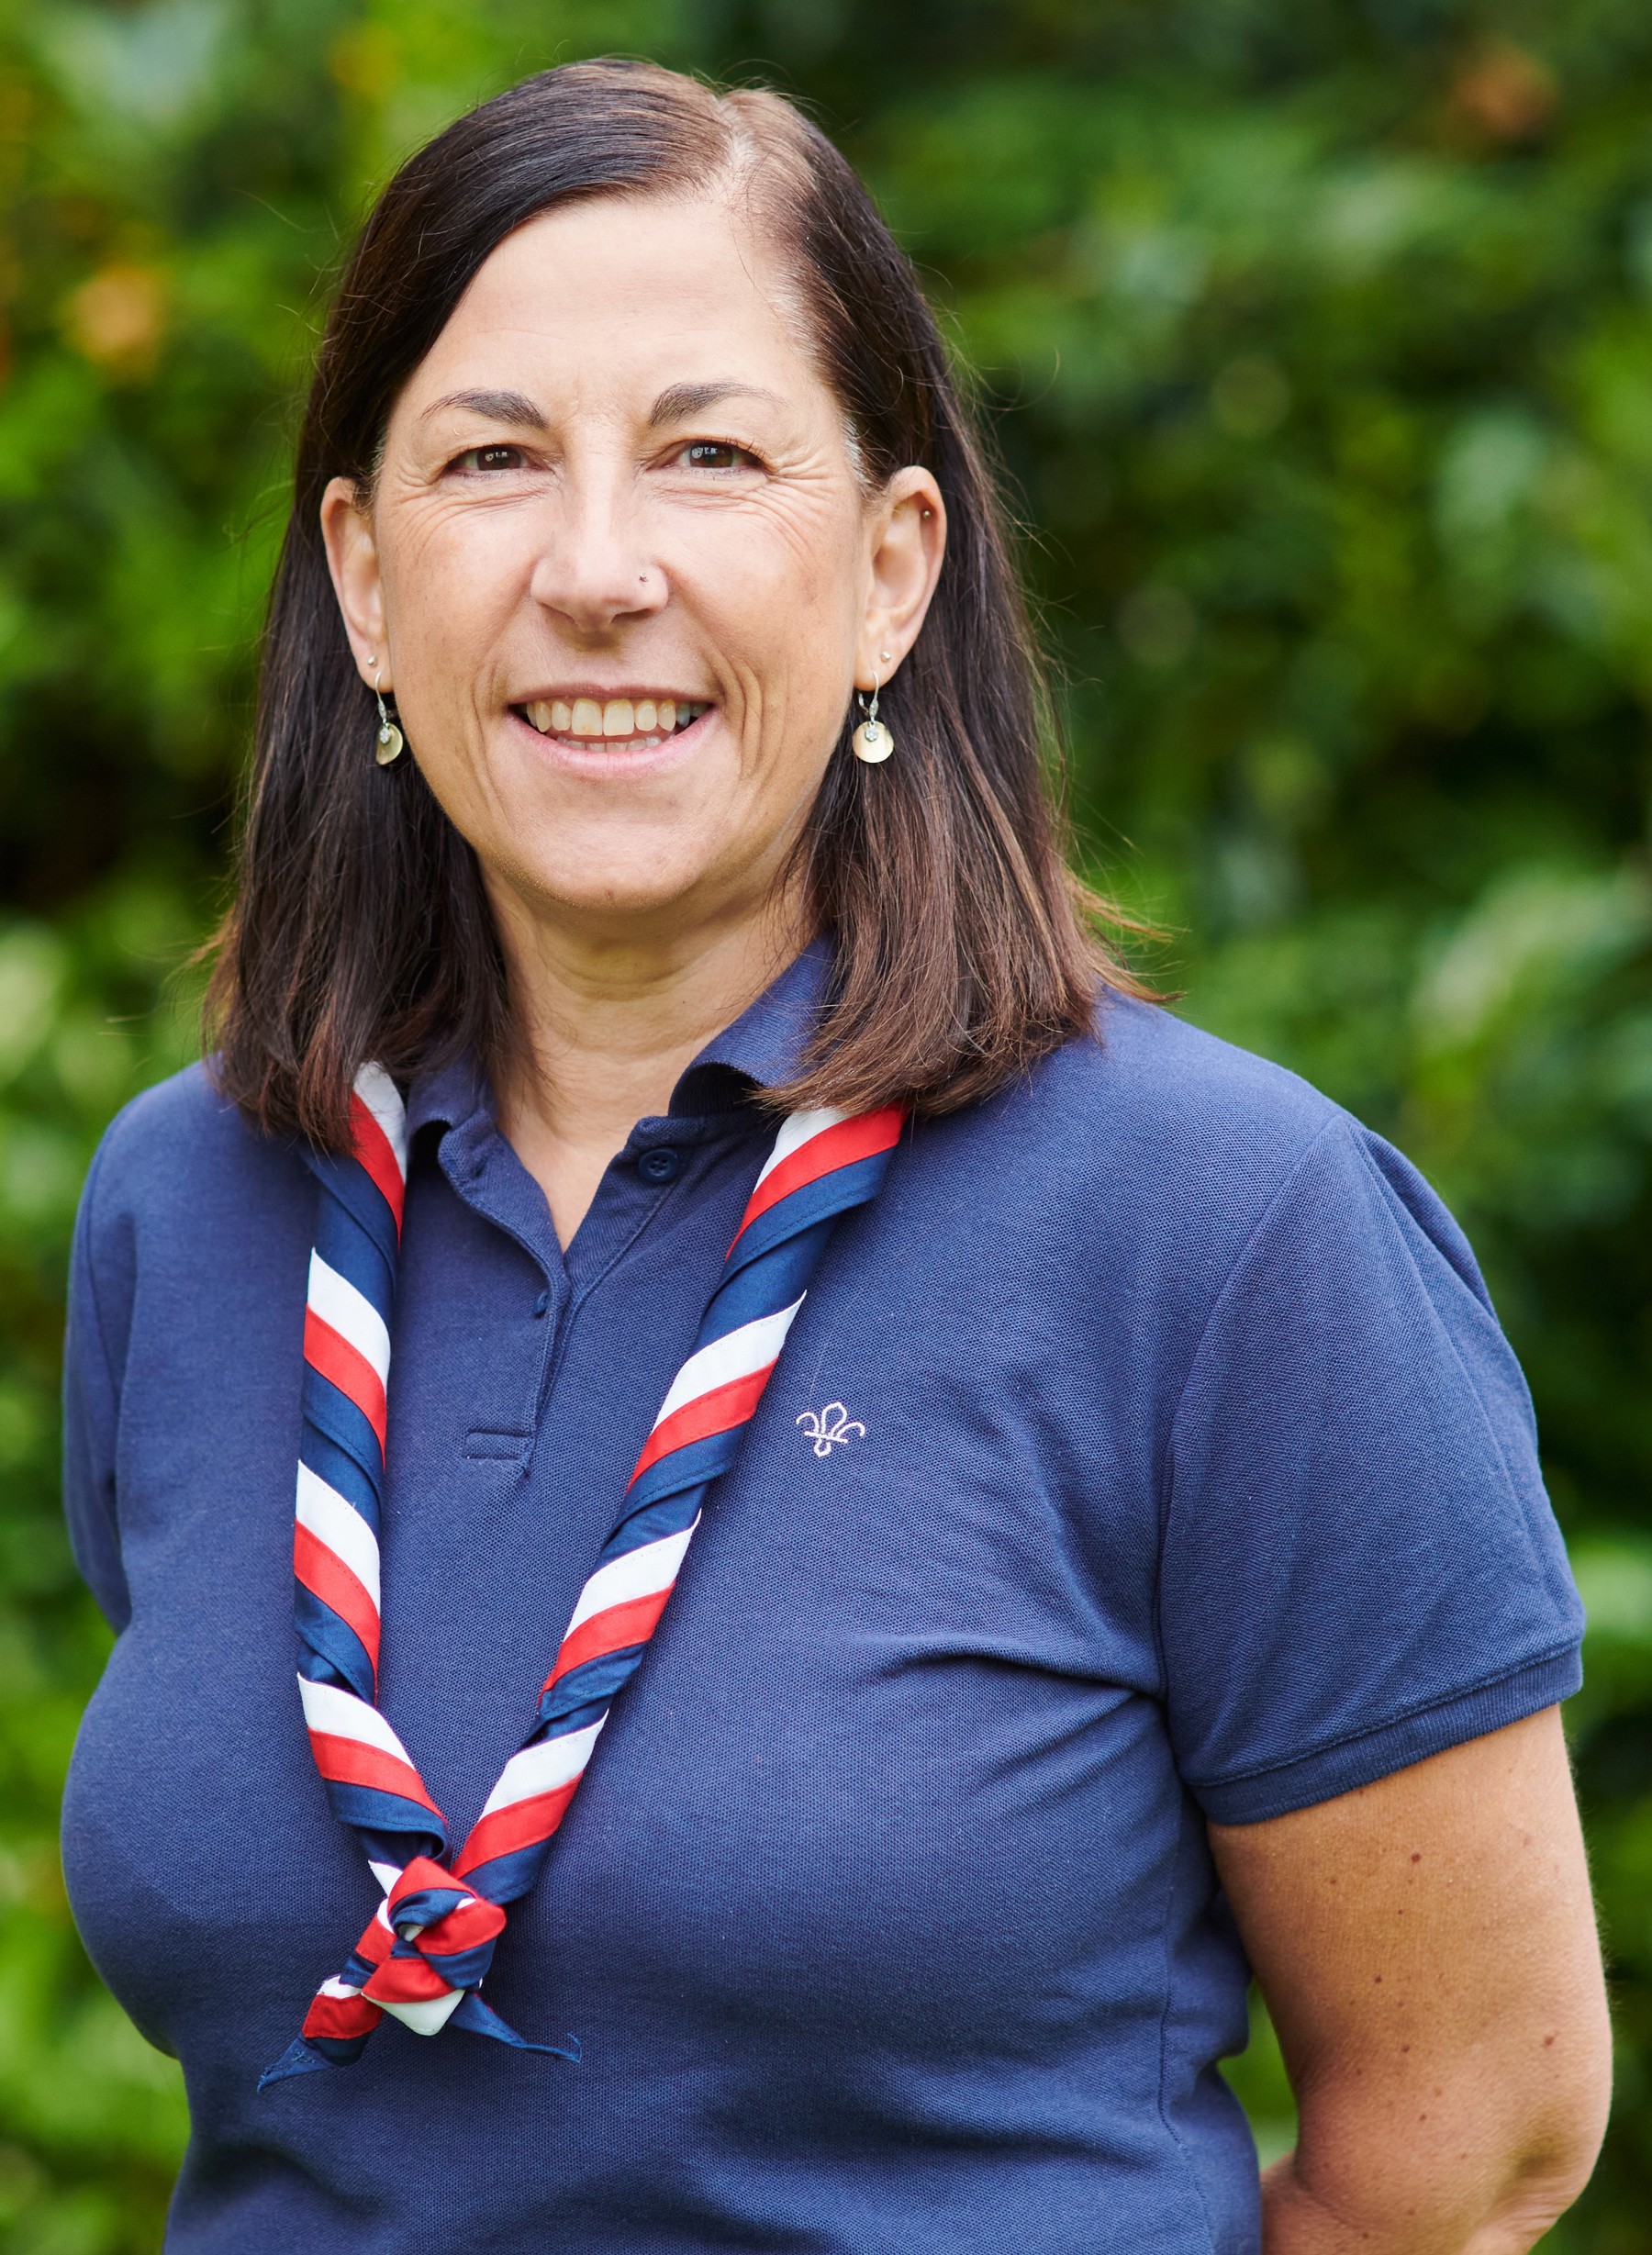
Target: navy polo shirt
1180	1470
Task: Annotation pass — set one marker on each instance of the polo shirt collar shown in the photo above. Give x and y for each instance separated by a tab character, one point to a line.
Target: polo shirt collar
766	1043
763	1048
450	1094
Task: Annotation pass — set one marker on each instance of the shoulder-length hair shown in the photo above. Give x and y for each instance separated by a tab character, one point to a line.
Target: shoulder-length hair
964	949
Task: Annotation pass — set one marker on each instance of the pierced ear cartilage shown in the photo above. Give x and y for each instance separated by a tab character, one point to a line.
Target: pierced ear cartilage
388	745
872	741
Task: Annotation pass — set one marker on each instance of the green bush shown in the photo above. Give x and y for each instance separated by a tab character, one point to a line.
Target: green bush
1319	343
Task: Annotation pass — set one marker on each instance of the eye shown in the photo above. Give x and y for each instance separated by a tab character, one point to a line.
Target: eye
485	460
717	454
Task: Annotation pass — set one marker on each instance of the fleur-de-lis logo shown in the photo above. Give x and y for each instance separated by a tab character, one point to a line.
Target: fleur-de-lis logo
826	1428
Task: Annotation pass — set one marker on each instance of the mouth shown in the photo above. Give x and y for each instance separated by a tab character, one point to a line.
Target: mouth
611	724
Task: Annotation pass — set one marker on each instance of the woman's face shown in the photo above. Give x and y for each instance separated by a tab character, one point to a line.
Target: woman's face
620	570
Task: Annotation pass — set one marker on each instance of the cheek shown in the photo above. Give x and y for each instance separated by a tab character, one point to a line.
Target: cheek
448	585
785	611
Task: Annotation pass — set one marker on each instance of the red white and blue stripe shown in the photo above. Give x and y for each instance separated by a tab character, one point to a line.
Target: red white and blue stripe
428	1947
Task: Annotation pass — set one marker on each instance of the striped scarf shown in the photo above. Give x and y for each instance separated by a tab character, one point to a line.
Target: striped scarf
429	1944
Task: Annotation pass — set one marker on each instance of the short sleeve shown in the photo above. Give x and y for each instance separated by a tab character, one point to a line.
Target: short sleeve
1360	1565
92	1401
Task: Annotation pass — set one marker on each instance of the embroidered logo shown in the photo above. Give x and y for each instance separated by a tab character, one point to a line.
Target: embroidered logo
828	1427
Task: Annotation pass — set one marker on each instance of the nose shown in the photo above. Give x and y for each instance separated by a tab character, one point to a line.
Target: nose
595	570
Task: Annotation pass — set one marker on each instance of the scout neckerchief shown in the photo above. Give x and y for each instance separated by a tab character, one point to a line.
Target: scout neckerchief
428	1946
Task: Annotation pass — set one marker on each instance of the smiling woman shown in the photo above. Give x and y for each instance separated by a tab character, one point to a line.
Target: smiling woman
547	460
668	1091
679	392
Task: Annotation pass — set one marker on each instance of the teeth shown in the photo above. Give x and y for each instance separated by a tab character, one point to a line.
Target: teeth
651	718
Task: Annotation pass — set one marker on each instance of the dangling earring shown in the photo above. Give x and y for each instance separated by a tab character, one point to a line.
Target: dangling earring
388	744
872	741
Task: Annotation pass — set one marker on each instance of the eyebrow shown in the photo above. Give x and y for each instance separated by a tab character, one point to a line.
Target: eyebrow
679	403
682	401
497	407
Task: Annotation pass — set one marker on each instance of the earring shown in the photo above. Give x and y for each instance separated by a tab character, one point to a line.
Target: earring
872	741
390	740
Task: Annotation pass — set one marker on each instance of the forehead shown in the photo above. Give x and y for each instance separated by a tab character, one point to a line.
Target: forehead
615	294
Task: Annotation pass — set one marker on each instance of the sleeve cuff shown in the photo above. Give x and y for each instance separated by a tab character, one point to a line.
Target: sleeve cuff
1320	1776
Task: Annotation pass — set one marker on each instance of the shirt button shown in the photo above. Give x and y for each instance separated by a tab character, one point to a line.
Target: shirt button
541	1303
660	1163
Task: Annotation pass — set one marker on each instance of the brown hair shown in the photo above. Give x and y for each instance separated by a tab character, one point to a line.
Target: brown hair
359	929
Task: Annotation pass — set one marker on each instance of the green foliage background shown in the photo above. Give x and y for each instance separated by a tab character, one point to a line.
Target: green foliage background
1321	337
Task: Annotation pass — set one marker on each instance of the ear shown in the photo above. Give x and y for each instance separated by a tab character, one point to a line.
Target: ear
353	559
908	542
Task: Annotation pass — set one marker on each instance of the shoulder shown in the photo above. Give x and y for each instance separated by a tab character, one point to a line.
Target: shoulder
1154	1158
186	1109
1151	1082
180	1123
180	1159
1152	1124
190	1220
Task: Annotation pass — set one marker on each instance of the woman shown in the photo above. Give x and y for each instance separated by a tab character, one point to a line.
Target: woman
1120	1553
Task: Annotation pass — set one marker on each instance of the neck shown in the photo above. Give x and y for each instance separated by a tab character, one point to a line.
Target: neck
605	1025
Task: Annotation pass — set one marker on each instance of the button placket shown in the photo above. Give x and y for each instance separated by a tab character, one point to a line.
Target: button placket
628	1202
472	1175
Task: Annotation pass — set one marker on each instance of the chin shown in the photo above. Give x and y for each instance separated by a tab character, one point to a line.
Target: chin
610	888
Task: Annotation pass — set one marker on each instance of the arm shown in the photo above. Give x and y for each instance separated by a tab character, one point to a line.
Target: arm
1426	1946
90	1414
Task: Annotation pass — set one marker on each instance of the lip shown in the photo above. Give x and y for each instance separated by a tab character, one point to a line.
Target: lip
636	693
607	757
